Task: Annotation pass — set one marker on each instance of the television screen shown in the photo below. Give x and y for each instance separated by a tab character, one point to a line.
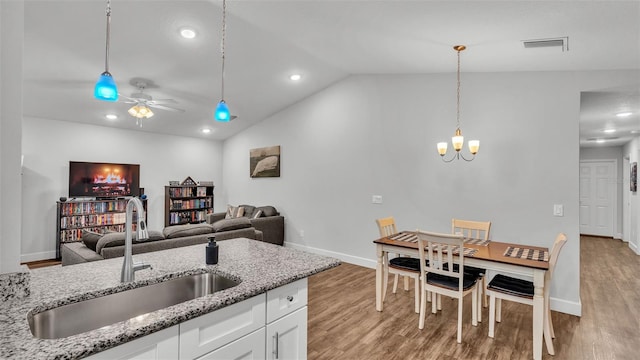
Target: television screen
103	180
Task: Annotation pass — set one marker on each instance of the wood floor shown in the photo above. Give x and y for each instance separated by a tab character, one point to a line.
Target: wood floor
343	322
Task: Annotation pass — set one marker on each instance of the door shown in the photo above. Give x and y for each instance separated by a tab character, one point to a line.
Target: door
598	197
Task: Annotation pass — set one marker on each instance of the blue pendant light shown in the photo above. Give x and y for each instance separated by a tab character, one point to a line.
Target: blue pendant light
222	110
106	89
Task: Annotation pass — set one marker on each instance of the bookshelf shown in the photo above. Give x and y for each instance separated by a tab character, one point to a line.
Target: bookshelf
187	204
99	216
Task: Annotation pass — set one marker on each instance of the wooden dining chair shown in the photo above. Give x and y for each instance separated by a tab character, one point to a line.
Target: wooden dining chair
441	277
522	291
400	265
475	230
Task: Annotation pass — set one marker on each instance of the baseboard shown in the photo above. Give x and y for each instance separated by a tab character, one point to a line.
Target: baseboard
618	236
634	248
356	260
567	307
45	255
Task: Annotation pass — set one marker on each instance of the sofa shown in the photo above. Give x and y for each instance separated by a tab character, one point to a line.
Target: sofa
94	246
263	218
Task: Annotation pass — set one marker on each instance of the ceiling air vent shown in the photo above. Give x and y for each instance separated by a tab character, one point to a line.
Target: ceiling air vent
562	42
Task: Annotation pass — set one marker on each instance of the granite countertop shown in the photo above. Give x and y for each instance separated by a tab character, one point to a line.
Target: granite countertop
259	266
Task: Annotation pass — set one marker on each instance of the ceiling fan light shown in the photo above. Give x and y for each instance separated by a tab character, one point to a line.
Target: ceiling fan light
140	111
222	112
106	89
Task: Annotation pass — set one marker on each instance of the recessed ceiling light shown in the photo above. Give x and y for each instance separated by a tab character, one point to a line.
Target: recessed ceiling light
111	116
600	141
295	77
187	33
205	130
609	130
624	114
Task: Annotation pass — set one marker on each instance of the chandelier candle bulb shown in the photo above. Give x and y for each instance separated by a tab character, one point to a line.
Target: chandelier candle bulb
442	148
474	145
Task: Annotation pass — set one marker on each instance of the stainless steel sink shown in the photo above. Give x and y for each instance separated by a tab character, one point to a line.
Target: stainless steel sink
76	318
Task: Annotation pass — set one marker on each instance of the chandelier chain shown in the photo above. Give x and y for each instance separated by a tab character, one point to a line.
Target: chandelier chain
224	35
106	53
458	94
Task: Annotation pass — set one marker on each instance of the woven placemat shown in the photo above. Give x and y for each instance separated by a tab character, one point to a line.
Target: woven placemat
526	253
412	237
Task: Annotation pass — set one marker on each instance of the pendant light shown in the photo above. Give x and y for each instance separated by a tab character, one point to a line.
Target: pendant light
458	140
222	110
106	89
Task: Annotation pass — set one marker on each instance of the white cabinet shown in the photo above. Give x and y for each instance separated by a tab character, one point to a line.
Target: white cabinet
208	332
287	337
266	326
248	347
159	345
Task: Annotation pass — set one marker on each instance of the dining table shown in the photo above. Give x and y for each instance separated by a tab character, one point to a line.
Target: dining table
531	261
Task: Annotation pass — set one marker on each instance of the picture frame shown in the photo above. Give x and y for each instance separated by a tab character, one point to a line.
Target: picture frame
633	183
264	162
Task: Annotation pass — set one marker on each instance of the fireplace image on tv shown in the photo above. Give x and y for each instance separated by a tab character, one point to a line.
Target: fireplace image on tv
103	180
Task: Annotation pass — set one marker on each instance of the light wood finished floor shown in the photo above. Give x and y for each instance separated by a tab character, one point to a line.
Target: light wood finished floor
343	322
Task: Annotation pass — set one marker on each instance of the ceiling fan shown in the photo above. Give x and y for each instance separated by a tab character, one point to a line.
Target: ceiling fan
142	104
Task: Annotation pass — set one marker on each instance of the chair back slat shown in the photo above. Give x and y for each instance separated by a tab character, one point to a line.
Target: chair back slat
387	226
471	229
439	249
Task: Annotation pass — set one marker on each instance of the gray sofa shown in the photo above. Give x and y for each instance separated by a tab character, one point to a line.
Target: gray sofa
96	247
263	218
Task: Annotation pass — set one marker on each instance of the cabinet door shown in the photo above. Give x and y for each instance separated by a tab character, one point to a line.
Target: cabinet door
159	345
287	337
210	331
249	347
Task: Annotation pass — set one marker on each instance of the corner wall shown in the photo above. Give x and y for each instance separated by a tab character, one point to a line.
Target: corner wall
49	145
632	150
377	135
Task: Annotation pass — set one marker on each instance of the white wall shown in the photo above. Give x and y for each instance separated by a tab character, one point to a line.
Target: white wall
377	134
11	35
49	145
632	150
609	153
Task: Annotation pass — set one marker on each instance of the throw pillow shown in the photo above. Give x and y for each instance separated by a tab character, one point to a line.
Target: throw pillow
248	210
109	240
90	239
231	224
268	210
177	231
234	212
256	214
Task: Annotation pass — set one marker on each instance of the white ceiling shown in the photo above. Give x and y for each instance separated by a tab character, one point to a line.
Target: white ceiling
325	41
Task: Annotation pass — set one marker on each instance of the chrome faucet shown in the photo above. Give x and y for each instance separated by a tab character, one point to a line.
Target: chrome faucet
129	268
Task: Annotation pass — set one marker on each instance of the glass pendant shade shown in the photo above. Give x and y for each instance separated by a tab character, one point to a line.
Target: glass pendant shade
457	140
106	89
474	145
222	112
442	148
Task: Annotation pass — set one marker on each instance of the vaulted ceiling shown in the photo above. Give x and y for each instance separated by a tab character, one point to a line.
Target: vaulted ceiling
324	41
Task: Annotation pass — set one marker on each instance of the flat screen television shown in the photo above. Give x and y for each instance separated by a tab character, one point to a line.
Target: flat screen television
103	180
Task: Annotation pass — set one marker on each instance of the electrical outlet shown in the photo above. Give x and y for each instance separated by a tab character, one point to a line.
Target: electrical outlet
376	199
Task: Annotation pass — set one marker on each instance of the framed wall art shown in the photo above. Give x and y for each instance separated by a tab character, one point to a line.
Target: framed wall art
264	162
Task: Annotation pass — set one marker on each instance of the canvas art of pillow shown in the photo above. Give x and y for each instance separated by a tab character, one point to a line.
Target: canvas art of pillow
90	239
234	212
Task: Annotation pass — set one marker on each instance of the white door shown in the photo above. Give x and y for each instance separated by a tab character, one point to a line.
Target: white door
597	197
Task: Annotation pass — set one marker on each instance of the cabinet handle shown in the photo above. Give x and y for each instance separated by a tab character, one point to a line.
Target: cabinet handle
275	348
290	298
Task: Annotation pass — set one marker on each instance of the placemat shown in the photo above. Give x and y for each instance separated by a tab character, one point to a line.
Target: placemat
526	253
412	237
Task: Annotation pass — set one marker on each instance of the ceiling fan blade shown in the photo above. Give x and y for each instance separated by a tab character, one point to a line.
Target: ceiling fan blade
162	101
161	107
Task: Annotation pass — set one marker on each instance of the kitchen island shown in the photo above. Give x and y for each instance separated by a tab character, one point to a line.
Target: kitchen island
259	267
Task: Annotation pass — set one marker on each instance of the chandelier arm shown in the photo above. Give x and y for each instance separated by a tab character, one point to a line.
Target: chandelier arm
465	159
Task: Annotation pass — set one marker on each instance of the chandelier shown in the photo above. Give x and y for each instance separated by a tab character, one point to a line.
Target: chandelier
458	140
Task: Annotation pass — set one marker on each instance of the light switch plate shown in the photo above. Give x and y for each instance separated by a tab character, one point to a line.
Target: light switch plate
376	199
558	210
